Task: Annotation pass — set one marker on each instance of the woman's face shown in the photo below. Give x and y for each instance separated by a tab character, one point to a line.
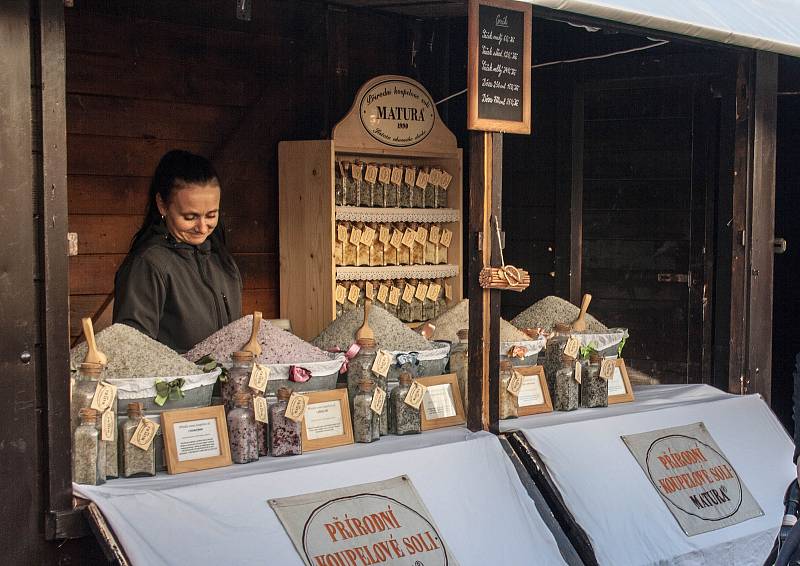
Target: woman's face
192	212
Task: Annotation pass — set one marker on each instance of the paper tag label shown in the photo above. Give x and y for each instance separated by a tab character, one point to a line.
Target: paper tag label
341	294
367	236
397	175
435	177
385	236
447	237
422	179
108	430
296	407
104	396
341	169
353	294
355	170
382	363
444	181
411	174
514	383
144	434
578	371
369	290
408	293
422	235
448	291
415	394
434	235
383	293
355	236
385	175
260	409
607	369
421	292
259	378
433	292
378	400
572	347
371	174
341	233
397	239
394	296
409	237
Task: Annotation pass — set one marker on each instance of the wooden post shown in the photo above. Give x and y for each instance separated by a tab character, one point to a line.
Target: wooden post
485	194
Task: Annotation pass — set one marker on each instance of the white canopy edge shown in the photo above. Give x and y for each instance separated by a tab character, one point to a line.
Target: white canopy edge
768	25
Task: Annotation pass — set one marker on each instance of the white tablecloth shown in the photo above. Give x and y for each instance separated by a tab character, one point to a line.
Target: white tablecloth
611	498
222	517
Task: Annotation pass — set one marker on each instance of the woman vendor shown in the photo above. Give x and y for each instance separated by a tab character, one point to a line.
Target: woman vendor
178	283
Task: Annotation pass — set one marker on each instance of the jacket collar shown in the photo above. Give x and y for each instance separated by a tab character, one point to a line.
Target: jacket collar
162	235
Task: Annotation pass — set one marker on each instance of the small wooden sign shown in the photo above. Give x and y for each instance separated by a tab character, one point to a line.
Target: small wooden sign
534	395
327	422
195	439
619	386
441	404
499	67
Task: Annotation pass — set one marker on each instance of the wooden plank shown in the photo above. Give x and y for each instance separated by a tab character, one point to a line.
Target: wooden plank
531	223
564	148
642	102
661	256
640	134
634	194
638	164
101	194
578	152
633	285
636	225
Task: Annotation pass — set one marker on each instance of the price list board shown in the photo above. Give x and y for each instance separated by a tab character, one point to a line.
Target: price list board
499	82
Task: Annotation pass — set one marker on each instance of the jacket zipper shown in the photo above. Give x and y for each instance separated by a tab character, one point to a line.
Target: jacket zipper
227	307
210	288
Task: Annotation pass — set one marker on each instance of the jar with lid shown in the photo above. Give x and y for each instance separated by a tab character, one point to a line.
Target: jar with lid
409	177
441	302
376	247
88	453
553	352
567	388
417	249
428	305
349	250
338	191
367	188
430	195
441	195
379	190
135	461
509	408
238	377
459	362
360	366
357	172
403	252
389	251
594	389
391	194
84	386
417	192
338	246
441	250
366	422
284	433
430	247
416	304
362	250
403	418
242	433
404	307
349	185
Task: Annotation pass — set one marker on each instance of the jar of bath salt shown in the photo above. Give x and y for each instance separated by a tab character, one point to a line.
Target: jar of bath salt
135	461
366	422
349	250
392	193
417	249
441	302
338	187
594	389
553	352
403	252
367	188
409	178
242	433
441	190
430	194
284	433
238	377
403	418
509	408
459	362
428	305
88	456
404	307
357	172
417	192
389	251
84	385
376	247
379	192
566	387
360	368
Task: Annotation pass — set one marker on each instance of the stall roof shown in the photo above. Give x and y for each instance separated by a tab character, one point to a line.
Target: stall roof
768	25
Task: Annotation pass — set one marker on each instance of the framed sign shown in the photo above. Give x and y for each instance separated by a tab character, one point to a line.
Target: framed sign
534	395
195	439
327	421
619	386
499	66
441	405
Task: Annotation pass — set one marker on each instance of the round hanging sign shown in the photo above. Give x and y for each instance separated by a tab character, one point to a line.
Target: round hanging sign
397	113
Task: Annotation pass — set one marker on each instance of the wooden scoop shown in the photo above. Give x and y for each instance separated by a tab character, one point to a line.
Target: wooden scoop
93	355
365	331
252	344
580	323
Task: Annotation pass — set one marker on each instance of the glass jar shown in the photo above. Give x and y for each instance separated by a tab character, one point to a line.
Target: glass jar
404	307
459	362
417	192
360	366
566	389
553	352
389	251
284	433
379	192
242	433
441	197
88	455
430	247
84	386
349	250
416	304
417	249
430	195
357	172
367	189
403	418
238	377
338	190
391	194
349	185
428	305
409	177
509	408
135	461
594	389
366	423
441	302
376	247
403	252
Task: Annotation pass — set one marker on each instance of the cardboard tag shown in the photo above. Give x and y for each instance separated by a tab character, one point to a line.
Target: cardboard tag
422	179
408	293
371	175
411	174
353	294
433	292
341	294
434	235
378	400
144	434
259	377
421	292
355	236
260	409
369	290
397	239
448	290
422	235
342	174
394	296
108	430
514	383
572	347
447	238
397	175
384	236
355	170
385	175
607	369
435	177
383	293
415	394
382	363
367	236
341	233
578	371
409	237
444	181
296	407
104	395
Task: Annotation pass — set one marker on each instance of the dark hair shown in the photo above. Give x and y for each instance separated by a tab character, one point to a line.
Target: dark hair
176	169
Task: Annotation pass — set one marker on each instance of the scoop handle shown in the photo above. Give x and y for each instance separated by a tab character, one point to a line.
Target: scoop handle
587	298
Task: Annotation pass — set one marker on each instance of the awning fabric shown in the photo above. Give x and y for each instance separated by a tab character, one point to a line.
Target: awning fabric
768	25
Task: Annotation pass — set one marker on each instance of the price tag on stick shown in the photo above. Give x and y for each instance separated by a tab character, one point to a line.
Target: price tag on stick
355	236
385	175
422	235
408	293
397	176
415	394
378	400
447	238
397	239
353	294
367	236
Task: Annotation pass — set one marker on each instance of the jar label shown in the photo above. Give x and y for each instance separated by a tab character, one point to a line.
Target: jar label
383	360
385	175
341	233
422	179
342	174
397	176
409	237
369	291
447	238
415	394
411	174
607	369
108	430
408	293
397	238
144	434
259	377
578	370
371	174
422	235
394	296
434	291
341	294
448	290
421	292
514	383
383	293
353	294
384	237
434	235
572	347
355	236
296	407
436	177
378	400
104	395
444	182
367	236
355	170
260	409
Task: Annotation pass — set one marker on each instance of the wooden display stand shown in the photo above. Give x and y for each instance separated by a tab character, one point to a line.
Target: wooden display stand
308	214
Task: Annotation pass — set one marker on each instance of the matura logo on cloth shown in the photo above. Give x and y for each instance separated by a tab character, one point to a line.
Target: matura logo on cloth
694	478
384	522
397	113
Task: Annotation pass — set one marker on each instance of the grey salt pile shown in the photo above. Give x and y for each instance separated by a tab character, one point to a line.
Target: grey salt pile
132	354
390	332
277	345
550	310
454	319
